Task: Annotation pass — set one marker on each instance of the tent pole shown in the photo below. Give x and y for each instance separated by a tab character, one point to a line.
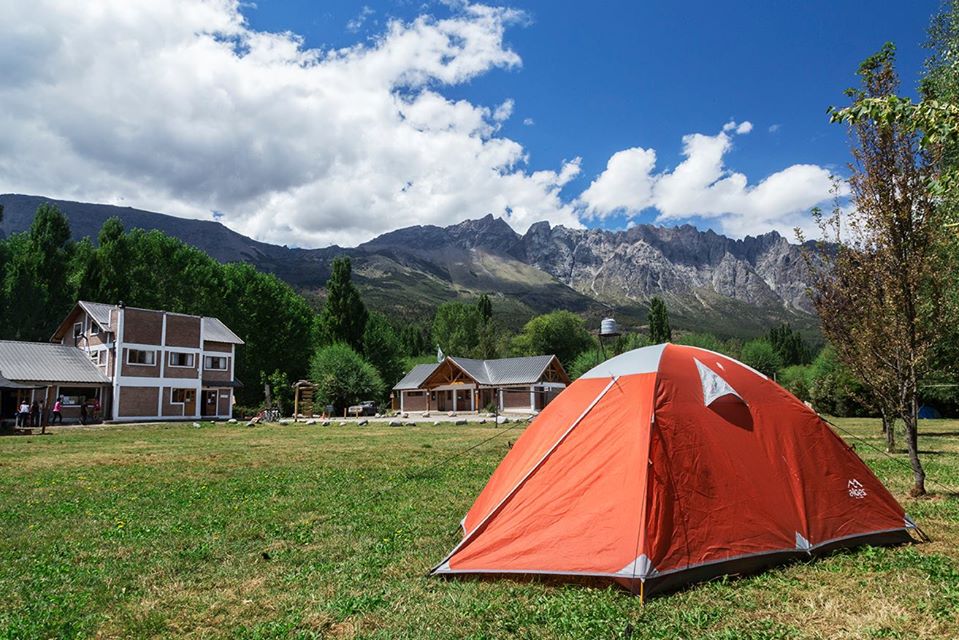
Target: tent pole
642	591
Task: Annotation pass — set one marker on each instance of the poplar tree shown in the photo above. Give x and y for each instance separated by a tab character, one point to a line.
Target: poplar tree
344	316
659	329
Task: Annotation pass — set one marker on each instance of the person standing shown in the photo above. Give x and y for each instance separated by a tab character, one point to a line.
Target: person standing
23	414
83	411
35	414
57	411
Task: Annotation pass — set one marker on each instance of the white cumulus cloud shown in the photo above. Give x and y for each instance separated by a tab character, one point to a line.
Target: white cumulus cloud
701	186
181	106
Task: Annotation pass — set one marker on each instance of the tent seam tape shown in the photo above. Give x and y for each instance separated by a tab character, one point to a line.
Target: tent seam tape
647	467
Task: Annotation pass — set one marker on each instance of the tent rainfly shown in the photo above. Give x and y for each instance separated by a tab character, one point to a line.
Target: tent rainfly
669	465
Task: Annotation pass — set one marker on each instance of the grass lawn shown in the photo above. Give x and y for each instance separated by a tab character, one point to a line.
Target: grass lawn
283	531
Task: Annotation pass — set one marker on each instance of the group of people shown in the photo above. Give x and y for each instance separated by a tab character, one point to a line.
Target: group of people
32	415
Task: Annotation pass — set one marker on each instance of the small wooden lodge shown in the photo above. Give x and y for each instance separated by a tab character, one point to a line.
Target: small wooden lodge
464	384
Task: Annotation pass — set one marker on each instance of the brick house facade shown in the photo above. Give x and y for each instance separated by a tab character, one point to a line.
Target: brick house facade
160	365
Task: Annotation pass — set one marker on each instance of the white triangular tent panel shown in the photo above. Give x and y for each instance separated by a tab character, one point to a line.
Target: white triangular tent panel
713	385
641	567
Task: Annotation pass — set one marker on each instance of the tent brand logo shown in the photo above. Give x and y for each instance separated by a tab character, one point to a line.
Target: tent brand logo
856	490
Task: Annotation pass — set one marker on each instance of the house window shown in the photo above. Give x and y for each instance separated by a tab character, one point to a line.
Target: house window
94	328
74	396
139	356
214	363
77	329
97	356
181	396
178	359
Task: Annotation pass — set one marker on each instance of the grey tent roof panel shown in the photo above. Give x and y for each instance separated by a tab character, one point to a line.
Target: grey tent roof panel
415	377
48	362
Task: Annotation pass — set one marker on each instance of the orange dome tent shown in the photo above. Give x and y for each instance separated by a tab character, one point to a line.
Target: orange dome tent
668	465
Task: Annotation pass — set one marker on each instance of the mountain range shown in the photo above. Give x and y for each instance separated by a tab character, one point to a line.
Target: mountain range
734	288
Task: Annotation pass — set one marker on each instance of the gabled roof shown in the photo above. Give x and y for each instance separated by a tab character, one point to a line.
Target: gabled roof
215	331
415	377
501	371
99	312
48	362
213	328
10	384
525	370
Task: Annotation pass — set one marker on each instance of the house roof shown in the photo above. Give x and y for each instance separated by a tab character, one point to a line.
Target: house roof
99	312
215	331
213	328
415	377
10	384
47	362
502	371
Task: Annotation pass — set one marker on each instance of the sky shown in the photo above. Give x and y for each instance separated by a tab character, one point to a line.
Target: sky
310	123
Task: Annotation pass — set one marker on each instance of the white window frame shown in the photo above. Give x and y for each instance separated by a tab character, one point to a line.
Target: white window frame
225	359
191	356
130	352
94	329
77	325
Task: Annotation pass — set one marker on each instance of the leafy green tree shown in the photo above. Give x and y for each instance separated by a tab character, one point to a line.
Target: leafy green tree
703	341
882	291
36	288
796	379
344	315
560	333
659	329
108	276
456	328
585	361
274	321
343	377
281	391
833	390
761	356
628	342
789	344
485	308
415	339
382	348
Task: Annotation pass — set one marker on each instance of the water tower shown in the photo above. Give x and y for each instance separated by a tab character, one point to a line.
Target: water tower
608	329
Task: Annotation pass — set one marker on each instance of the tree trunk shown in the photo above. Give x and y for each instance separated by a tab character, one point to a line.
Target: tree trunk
889	429
912	443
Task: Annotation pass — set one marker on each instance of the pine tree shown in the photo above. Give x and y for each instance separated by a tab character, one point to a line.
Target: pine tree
659	329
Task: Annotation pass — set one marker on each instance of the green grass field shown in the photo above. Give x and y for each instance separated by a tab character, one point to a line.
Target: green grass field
287	532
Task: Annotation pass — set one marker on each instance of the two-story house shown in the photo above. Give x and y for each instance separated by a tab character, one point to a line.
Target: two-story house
160	365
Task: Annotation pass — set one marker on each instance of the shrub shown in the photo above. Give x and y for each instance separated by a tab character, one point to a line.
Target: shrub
761	356
344	378
796	380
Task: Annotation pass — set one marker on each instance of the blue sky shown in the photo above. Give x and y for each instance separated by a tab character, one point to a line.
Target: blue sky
598	77
309	123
